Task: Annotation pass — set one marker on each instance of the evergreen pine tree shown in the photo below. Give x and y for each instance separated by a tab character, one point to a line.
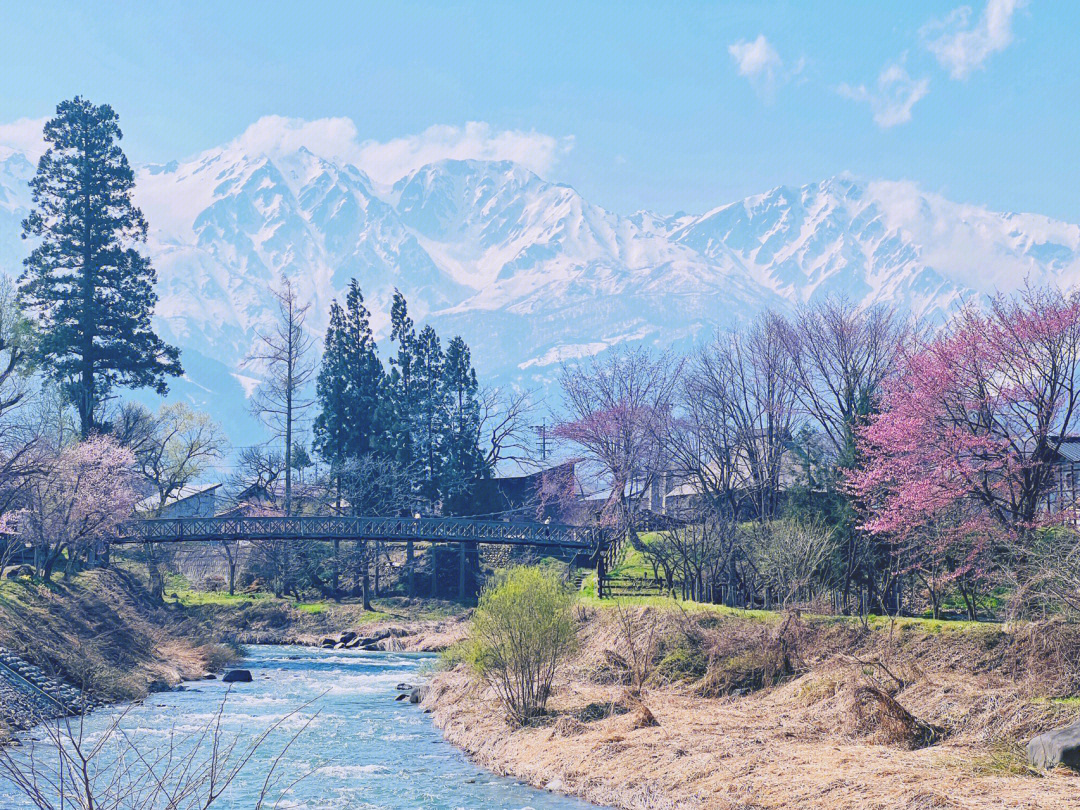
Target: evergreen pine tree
463	462
331	425
429	414
91	288
398	403
365	375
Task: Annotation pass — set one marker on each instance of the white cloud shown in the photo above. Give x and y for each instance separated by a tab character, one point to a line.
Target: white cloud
760	63
892	98
387	161
331	138
963	47
24	136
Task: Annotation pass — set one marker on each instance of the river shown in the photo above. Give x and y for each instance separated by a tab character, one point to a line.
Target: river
357	747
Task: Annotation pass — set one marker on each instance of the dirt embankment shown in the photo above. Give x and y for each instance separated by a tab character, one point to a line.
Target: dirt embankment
102	634
737	713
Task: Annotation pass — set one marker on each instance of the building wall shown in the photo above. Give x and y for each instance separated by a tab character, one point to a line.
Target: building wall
204	504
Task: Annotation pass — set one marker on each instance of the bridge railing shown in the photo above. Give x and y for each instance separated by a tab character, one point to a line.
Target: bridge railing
173	530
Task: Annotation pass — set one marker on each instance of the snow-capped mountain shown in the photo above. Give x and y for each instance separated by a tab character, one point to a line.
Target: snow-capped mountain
527	271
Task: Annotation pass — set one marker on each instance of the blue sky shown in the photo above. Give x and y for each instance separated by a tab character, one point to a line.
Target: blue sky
679	106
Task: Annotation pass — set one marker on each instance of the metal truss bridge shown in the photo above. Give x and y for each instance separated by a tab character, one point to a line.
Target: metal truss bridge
390	529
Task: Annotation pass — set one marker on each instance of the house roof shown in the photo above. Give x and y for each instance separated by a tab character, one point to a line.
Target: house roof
152	502
1070	449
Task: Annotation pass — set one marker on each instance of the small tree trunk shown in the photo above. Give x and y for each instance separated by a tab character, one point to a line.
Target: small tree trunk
378	548
157	582
367	582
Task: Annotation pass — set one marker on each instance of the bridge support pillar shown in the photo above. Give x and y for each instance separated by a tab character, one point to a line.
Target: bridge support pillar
337	565
410	560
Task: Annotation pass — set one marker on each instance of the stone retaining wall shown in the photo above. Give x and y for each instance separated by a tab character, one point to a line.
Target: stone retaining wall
28	695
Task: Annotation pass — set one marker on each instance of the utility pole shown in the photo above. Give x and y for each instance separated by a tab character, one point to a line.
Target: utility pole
542	440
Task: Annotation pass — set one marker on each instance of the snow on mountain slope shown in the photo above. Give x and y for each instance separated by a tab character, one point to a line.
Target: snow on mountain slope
527	271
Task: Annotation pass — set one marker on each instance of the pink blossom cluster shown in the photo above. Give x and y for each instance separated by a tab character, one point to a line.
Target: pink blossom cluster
968	427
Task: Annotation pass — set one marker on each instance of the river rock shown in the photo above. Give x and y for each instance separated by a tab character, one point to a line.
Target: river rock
347	636
237	676
1058	747
352	643
418	694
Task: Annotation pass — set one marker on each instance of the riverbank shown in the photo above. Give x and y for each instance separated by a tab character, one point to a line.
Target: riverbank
761	711
102	633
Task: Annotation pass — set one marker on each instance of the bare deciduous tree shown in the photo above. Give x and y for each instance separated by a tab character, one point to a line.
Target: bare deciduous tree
506	425
172	448
840	354
617	406
734	424
283	355
639	633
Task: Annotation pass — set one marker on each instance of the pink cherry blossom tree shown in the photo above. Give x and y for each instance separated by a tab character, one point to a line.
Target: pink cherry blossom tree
80	496
960	454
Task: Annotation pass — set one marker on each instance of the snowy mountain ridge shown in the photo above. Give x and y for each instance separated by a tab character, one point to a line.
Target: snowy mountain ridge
529	272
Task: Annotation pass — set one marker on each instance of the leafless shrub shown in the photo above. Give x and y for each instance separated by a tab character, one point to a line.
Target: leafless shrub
790	555
71	768
874	713
639	633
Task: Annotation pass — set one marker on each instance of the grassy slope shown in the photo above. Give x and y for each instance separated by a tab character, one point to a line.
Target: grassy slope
101	631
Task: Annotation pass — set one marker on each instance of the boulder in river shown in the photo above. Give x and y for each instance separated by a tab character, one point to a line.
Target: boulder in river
418	694
237	676
1058	747
347	636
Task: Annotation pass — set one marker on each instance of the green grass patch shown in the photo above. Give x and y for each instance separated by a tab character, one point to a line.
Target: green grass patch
192	598
1068	702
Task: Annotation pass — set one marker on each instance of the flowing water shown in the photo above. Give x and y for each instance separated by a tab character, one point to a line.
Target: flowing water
354	747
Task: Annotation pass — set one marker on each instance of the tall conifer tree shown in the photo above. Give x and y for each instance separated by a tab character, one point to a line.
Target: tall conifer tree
400	400
91	288
365	375
463	462
331	426
429	414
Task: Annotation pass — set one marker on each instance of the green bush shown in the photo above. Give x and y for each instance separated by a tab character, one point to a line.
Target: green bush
522	631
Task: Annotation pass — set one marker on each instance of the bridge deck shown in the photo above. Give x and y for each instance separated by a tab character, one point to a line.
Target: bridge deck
441	530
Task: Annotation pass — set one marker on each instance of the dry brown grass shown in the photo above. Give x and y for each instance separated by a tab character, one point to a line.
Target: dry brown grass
845	727
102	633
